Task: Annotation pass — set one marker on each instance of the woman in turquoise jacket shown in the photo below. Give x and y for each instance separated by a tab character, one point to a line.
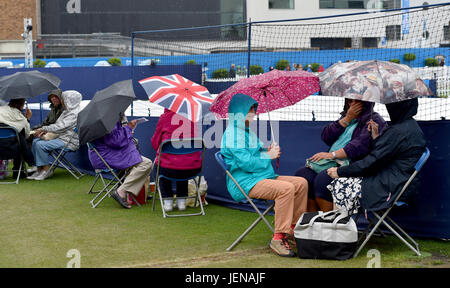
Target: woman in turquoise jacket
251	166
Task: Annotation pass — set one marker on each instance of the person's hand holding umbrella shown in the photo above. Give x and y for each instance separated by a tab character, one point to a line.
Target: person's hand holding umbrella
28	114
274	151
372	127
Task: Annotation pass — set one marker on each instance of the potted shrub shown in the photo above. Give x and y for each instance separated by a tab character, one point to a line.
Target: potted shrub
282	64
315	67
115	61
256	70
190	62
408	57
395	61
431	62
38	63
220	73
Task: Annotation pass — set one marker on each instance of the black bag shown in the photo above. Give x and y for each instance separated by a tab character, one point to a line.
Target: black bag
330	235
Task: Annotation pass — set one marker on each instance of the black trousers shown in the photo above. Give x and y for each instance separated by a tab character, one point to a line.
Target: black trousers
182	186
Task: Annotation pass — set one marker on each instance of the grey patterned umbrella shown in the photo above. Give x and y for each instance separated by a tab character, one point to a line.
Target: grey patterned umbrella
373	81
27	84
102	113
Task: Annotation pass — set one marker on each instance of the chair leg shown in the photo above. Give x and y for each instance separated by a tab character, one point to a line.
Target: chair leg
414	249
253	225
107	193
370	235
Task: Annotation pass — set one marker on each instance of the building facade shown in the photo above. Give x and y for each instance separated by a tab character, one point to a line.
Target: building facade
391	32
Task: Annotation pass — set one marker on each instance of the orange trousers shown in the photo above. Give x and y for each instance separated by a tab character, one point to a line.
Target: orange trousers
290	194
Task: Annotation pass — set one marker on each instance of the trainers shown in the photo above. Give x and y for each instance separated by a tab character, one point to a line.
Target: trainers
34	175
44	175
281	247
291	241
181	204
32	169
168	205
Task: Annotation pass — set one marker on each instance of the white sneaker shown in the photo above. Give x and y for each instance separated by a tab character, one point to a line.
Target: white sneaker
34	175
168	205
32	169
43	175
181	204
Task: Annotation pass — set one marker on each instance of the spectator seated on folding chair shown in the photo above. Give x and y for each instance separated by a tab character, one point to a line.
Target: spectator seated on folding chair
374	182
261	216
117	151
178	147
12	146
66	140
110	178
250	165
395	228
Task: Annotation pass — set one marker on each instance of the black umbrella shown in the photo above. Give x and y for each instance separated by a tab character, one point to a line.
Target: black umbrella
27	84
100	116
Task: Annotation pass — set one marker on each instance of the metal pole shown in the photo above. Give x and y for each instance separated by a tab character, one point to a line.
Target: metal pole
249	50
28	41
132	64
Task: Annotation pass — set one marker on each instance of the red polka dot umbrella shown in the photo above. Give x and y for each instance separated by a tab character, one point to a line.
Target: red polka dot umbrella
273	90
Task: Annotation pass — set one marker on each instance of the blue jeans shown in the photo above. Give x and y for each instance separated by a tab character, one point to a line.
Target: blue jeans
41	148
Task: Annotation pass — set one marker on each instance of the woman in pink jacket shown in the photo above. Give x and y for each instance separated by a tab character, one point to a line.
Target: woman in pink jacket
174	126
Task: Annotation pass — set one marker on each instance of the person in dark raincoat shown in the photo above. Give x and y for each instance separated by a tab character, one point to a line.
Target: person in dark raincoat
56	109
375	181
357	114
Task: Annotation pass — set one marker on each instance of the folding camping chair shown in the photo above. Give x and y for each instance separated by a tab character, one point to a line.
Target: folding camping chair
381	219
261	216
180	147
8	132
59	159
109	185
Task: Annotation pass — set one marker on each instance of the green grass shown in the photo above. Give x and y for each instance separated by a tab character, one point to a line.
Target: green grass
42	220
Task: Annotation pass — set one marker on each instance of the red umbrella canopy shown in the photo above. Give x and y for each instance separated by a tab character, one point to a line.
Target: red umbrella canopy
179	95
273	90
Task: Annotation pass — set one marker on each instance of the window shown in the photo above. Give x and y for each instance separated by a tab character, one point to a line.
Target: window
281	4
446	32
371	42
392	4
331	43
360	4
393	32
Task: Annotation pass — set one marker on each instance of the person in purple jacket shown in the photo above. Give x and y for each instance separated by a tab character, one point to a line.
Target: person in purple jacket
357	114
119	150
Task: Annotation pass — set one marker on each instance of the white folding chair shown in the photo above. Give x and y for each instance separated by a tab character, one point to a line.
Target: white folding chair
59	159
109	185
384	216
261	216
8	132
180	147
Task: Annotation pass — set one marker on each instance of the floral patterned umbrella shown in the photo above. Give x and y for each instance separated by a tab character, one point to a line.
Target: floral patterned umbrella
374	81
273	90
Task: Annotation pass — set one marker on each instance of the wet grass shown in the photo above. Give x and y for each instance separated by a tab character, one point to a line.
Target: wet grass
42	220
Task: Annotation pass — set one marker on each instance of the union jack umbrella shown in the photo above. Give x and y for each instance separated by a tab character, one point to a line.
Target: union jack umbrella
179	95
